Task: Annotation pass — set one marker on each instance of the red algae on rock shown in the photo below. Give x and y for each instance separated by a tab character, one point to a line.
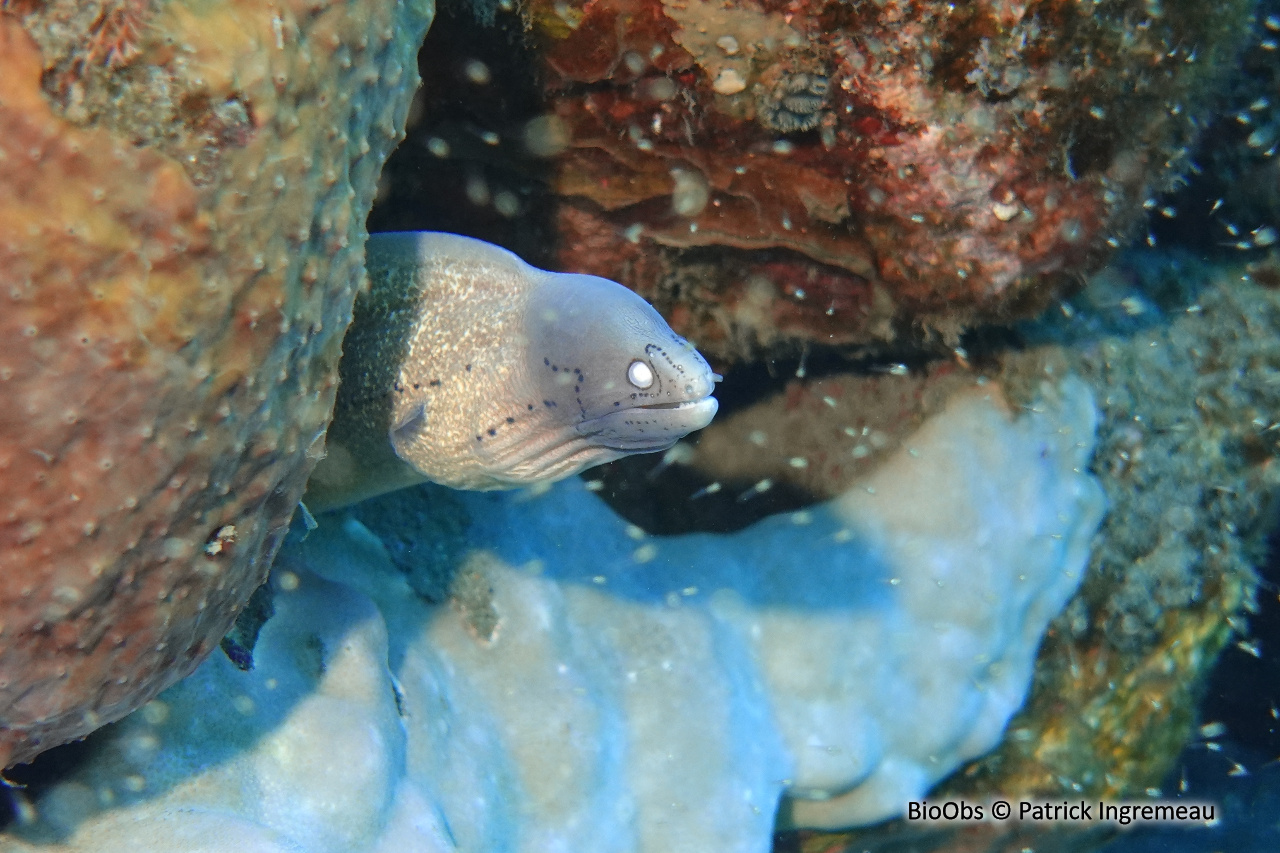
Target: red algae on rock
181	239
837	172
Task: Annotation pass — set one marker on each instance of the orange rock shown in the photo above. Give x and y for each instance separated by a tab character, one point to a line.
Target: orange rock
181	238
932	166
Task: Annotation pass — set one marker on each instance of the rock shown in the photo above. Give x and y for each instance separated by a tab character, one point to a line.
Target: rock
884	168
1186	454
183	200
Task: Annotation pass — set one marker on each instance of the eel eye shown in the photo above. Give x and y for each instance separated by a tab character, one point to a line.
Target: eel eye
640	374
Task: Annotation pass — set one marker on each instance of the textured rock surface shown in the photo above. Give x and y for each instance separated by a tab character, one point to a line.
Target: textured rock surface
591	688
1187	454
182	205
825	171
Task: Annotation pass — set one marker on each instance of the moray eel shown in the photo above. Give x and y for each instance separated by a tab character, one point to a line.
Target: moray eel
468	367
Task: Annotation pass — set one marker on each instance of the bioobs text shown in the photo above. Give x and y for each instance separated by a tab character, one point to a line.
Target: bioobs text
948	810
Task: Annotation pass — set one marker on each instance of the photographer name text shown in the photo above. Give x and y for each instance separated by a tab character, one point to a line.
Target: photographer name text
1066	811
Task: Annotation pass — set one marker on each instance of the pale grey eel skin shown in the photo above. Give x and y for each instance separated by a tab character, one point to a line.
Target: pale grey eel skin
468	367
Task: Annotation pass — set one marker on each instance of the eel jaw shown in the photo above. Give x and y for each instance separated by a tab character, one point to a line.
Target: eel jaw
648	428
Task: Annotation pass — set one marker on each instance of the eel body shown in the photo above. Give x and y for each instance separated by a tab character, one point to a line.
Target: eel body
468	367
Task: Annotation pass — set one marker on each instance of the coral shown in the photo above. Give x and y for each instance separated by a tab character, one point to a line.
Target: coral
592	688
791	100
944	164
1187	454
182	194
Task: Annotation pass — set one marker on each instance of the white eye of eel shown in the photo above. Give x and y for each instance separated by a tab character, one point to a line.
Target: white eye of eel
640	374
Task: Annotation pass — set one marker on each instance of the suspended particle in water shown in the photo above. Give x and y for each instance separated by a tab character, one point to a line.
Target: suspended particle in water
477	72
691	192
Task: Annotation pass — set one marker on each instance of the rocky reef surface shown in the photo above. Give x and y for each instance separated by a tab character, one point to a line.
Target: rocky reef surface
183	189
1184	362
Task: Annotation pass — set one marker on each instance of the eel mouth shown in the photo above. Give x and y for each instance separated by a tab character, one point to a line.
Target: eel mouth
687	404
651	427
